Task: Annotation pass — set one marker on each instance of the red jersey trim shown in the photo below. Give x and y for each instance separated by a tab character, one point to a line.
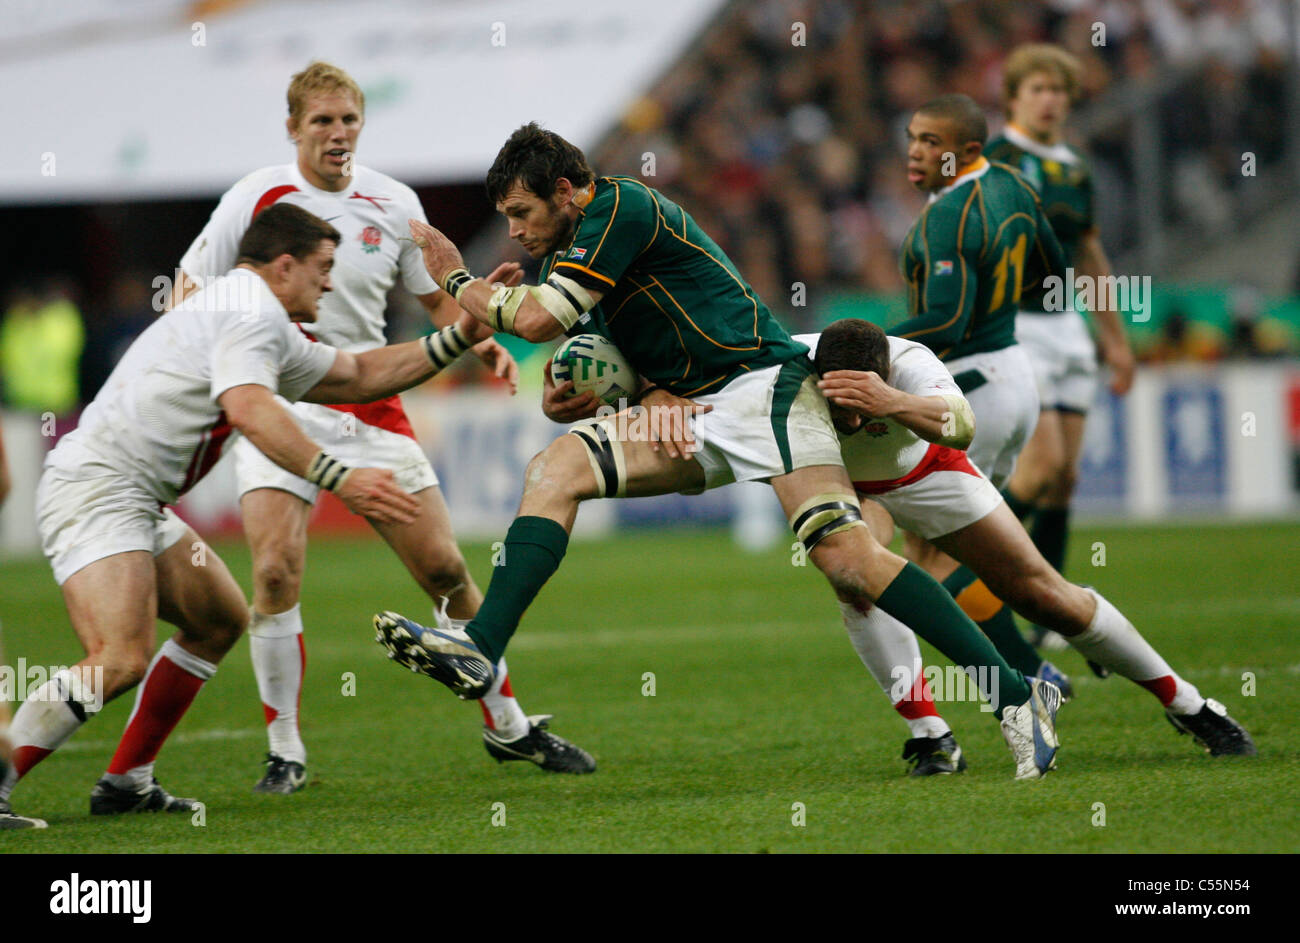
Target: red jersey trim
937	458
270	196
384	414
209	451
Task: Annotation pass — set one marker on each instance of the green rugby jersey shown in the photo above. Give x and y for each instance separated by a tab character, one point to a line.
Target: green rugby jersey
672	302
977	246
1062	178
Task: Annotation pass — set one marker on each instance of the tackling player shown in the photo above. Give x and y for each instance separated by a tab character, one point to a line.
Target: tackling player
1039	83
326	115
903	423
623	260
190	384
982	241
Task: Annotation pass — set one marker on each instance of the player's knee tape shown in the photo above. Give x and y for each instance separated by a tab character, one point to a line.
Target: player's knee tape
605	452
823	515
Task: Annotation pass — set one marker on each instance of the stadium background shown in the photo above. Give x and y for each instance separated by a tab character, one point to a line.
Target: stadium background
779	125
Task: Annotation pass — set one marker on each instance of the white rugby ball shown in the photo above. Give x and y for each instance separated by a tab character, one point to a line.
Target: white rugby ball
595	366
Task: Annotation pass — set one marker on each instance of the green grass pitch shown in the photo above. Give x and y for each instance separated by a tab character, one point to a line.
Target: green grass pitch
762	716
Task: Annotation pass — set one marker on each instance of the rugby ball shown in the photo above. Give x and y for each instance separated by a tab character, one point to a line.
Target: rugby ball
595	366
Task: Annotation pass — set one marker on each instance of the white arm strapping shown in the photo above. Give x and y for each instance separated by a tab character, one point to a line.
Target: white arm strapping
962	422
563	298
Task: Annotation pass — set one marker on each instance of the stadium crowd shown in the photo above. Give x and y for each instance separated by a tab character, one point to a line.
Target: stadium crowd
782	131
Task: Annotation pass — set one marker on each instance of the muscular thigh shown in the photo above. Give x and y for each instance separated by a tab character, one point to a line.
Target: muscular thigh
114	601
196	592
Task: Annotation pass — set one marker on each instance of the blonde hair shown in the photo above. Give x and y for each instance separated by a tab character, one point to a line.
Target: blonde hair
321	78
1025	60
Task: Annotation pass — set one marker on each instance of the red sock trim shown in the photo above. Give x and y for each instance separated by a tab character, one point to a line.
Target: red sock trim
505	688
25	757
487	715
270	713
168	692
302	671
1164	688
918	703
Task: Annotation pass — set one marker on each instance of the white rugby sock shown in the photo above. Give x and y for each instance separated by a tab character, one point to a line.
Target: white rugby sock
890	651
44	722
1112	642
279	658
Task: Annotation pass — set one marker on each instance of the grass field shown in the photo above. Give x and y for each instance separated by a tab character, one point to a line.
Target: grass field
760	704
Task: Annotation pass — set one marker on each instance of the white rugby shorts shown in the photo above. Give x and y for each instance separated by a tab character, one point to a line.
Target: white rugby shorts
84	519
346	438
949	493
1063	356
764	424
1003	395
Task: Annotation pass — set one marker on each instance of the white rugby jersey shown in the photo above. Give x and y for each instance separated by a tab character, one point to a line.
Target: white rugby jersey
156	420
371	214
883	451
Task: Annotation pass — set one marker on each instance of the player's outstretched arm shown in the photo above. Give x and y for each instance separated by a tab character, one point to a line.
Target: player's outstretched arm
372	492
443	311
944	420
385	371
536	313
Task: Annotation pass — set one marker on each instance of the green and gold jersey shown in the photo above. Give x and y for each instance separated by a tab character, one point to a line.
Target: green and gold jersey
981	242
1061	177
672	301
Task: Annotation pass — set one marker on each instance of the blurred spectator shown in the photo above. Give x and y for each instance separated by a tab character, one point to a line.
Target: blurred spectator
783	132
41	340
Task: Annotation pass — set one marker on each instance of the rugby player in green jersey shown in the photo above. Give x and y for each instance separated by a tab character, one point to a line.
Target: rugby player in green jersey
1039	83
981	244
626	262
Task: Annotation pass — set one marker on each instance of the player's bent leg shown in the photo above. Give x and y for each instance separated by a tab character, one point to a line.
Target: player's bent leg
890	653
592	461
1001	554
427	547
275	525
817	499
197	594
112	604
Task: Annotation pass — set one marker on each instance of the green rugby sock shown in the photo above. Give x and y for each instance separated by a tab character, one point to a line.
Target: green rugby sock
995	619
916	600
1019	508
1050	533
534	547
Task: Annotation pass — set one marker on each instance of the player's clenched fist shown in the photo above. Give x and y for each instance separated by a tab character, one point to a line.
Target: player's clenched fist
862	391
375	493
441	257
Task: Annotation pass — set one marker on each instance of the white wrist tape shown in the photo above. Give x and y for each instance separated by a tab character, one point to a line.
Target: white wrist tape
327	472
444	346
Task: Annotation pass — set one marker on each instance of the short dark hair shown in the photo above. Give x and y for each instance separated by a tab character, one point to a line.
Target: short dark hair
961	111
536	158
282	228
853	344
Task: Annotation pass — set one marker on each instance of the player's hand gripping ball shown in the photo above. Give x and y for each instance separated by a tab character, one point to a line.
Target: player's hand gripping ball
595	366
